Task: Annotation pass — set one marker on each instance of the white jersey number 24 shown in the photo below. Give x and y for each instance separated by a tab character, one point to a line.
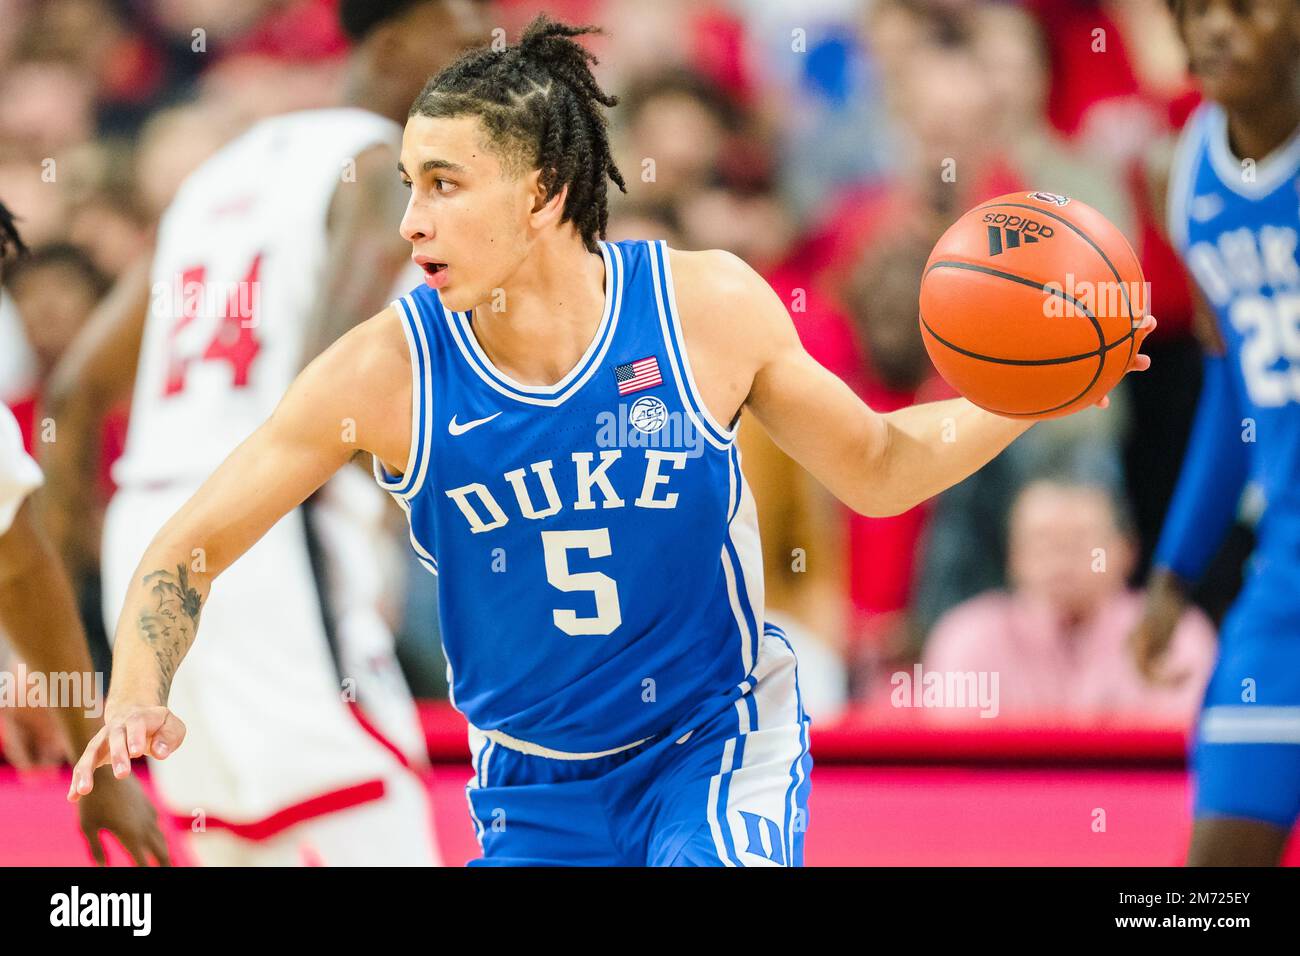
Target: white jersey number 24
235	341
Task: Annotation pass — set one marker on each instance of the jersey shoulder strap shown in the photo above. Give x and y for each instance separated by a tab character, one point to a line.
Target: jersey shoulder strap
418	343
1188	153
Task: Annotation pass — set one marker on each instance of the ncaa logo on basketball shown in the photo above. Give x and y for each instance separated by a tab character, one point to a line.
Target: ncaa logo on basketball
1053	198
648	414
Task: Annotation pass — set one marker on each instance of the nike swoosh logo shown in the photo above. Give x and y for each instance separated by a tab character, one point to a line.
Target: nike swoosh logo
458	429
1204	208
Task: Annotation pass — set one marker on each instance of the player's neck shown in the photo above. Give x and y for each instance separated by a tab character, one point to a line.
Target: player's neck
553	305
1255	133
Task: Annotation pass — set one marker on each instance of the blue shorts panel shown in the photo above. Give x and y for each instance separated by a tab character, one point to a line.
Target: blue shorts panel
729	786
740	796
1246	751
1249	781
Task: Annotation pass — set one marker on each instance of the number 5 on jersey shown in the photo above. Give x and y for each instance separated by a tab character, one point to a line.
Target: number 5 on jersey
556	546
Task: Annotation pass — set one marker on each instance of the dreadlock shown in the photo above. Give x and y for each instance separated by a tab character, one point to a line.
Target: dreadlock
11	243
541	108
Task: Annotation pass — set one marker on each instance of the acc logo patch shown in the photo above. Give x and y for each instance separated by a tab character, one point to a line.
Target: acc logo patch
1053	198
648	414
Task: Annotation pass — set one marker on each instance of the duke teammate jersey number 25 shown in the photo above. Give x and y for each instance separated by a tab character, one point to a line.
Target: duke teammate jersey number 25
1237	224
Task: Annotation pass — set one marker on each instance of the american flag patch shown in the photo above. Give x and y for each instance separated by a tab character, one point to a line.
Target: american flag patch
634	376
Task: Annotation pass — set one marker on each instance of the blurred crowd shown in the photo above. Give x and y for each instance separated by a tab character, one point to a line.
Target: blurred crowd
829	143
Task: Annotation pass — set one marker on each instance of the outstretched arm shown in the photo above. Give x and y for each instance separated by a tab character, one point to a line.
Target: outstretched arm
877	464
363	380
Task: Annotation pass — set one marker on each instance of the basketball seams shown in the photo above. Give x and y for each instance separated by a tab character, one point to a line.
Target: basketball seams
1104	348
1036	413
1025	281
1100	355
1082	235
996	360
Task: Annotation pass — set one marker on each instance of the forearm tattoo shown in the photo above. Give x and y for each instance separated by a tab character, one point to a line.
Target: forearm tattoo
168	621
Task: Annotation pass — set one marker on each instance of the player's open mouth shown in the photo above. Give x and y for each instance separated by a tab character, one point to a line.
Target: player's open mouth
435	274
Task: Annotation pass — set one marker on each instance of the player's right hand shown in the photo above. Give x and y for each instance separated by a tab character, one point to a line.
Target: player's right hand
1164	606
1138	362
127	732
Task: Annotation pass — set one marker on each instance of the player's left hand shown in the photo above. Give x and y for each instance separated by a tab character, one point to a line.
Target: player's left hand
121	808
1139	362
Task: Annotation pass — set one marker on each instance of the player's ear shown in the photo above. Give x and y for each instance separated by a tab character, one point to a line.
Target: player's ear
545	212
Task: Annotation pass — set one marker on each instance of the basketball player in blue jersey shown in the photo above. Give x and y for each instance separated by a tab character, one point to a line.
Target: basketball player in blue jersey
1234	214
557	416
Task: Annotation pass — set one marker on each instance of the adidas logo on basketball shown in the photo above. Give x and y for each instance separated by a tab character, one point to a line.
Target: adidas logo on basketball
1009	232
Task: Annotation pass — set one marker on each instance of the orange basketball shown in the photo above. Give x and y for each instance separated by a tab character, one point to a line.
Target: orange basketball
1029	304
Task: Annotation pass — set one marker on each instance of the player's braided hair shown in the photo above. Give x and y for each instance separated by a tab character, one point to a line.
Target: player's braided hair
11	243
541	108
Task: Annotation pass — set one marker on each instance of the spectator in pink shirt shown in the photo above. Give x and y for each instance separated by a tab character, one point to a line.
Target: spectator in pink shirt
1057	639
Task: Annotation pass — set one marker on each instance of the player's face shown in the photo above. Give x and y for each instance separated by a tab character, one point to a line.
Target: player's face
468	220
1241	50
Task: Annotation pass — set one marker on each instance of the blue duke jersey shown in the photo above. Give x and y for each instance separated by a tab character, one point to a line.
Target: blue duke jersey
596	545
1237	227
